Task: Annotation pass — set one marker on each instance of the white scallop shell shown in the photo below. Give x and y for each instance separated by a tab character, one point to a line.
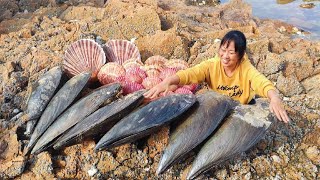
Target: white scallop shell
83	55
121	50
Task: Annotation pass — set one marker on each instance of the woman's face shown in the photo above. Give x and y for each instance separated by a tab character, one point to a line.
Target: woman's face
229	57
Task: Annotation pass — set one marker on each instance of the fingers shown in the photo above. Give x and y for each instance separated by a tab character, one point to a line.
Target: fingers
280	113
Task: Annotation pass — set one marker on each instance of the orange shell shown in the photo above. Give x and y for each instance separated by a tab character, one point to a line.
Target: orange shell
111	72
83	55
177	64
121	50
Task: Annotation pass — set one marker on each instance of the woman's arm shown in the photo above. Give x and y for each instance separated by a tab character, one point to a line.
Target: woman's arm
276	106
166	85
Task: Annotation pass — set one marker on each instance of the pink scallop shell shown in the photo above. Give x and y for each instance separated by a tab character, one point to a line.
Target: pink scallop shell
153	73
130	87
177	64
111	72
133	77
132	63
191	87
167	72
137	70
83	55
150	82
182	90
121	51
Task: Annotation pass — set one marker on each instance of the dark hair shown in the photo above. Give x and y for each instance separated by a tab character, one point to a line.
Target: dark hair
239	40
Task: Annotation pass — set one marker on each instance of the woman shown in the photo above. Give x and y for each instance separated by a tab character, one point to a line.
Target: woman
229	73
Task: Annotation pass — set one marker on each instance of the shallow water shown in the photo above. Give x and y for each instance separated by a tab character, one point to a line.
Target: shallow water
289	11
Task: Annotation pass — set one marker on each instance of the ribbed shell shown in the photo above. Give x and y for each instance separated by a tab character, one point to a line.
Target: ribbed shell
132	63
111	72
157	59
84	55
138	71
167	72
153	73
182	90
177	64
121	51
191	87
150	82
130	87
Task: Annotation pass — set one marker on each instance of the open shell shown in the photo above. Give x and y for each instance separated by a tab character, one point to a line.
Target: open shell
82	56
132	63
111	72
150	82
121	50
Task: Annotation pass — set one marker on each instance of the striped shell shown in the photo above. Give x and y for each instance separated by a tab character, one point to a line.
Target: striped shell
132	63
150	82
177	64
121	50
182	90
130	87
153	73
111	72
167	72
191	87
157	59
138	71
83	55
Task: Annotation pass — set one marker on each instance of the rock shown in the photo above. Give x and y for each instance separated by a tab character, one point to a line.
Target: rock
289	86
165	43
311	85
42	168
13	167
313	154
7	9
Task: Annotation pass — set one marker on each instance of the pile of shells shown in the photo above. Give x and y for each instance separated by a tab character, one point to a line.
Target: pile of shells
120	61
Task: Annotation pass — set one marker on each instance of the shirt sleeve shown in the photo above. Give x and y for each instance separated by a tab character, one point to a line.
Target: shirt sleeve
195	74
259	83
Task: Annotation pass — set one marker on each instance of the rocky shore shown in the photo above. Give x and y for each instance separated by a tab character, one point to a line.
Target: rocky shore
34	41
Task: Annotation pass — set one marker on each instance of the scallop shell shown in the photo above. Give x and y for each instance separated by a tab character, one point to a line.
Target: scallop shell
121	51
182	90
132	63
150	82
157	59
177	64
137	70
153	73
130	87
167	72
111	72
83	55
191	87
133	77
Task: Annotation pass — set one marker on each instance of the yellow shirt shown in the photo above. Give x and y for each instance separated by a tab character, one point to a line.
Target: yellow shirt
245	82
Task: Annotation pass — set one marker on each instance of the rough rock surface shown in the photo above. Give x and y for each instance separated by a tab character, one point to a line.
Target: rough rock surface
33	42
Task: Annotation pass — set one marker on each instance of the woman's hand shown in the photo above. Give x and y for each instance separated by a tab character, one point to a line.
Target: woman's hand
276	106
168	84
